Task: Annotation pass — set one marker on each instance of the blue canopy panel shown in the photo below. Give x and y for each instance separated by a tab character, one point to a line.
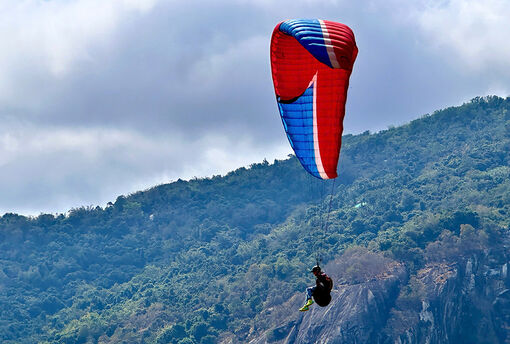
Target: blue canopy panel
308	32
297	118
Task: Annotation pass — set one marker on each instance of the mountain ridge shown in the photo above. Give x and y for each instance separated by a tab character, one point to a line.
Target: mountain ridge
201	261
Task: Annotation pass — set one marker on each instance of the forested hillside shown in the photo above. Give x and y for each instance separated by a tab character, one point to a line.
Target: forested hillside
202	261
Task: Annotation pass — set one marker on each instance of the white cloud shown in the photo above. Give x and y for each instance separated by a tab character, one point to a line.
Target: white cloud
100	98
45	39
470	33
51	169
222	68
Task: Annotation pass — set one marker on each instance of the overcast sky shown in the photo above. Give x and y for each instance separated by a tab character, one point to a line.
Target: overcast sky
103	98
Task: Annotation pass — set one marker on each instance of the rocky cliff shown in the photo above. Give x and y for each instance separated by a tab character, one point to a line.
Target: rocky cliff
463	301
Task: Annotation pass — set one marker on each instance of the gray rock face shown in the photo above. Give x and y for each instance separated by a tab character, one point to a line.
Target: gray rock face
462	302
356	314
465	302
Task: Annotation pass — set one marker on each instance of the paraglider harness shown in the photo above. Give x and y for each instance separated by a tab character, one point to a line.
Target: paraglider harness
323	286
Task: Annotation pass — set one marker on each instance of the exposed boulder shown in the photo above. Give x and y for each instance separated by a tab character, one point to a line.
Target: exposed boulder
465	301
358	310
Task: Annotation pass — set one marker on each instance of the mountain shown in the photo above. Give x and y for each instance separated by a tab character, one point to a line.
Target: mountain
414	233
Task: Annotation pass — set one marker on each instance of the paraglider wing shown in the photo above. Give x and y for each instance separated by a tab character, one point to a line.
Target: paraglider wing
311	62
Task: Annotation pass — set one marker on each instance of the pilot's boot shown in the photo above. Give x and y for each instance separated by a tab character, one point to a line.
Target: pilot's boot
306	306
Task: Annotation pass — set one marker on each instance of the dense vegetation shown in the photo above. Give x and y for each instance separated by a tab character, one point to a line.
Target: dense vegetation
191	262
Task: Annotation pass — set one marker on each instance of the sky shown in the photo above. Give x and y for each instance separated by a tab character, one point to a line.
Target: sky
105	98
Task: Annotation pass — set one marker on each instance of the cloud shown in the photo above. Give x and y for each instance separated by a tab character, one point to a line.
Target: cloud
101	98
44	169
473	32
43	40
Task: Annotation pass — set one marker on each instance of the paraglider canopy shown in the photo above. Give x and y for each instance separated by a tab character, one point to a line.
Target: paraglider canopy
311	62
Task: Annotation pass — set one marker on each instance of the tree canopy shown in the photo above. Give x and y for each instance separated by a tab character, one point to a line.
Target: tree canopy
193	261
